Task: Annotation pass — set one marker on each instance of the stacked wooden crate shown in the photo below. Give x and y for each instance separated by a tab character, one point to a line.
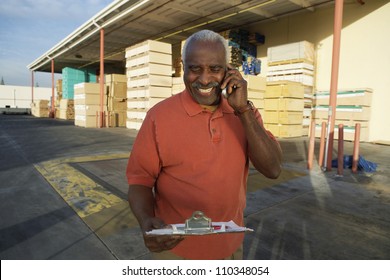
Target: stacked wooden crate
149	78
58	97
65	109
177	85
353	106
40	108
87	104
116	85
294	62
256	90
283	105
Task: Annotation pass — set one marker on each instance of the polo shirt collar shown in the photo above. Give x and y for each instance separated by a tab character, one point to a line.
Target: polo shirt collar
193	108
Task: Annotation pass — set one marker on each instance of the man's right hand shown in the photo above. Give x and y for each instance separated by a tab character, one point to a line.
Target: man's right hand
159	243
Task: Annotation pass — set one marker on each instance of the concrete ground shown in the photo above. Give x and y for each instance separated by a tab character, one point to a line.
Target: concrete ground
63	196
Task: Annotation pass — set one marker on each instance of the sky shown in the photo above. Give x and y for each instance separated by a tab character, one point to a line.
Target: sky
29	28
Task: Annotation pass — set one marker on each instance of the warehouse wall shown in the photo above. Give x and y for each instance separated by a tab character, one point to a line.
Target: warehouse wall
20	97
364	57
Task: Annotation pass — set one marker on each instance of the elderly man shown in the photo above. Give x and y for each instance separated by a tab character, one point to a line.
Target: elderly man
192	153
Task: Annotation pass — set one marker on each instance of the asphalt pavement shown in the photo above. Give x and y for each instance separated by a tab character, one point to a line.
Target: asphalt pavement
63	196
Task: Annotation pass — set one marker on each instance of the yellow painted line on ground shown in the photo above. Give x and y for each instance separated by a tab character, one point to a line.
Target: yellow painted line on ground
84	195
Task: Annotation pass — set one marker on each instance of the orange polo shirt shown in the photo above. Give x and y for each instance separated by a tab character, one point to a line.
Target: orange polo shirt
196	160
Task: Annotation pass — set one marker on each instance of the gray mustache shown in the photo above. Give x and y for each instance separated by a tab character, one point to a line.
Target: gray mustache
198	85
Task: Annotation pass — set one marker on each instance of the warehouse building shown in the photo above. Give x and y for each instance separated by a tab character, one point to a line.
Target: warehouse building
289	45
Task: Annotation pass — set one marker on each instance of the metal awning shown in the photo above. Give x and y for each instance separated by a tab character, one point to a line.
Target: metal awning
128	22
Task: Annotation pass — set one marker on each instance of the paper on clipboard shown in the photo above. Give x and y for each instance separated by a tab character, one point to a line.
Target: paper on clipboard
199	224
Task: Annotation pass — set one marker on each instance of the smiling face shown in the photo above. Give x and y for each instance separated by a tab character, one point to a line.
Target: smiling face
204	71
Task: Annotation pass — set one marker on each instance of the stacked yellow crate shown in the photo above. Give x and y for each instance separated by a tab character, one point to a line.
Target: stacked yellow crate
256	90
294	62
283	105
149	78
66	111
116	85
87	104
64	107
353	106
40	108
177	85
58	98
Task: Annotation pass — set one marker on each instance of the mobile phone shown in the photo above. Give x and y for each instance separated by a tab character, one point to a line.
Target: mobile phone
224	91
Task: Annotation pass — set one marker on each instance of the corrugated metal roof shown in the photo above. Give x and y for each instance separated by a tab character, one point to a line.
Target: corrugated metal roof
127	22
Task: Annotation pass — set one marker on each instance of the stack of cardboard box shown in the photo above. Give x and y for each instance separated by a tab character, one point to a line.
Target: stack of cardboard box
295	62
256	90
40	108
116	85
283	104
87	104
353	106
64	107
149	78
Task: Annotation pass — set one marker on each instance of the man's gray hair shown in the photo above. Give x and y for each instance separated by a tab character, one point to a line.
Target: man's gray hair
205	36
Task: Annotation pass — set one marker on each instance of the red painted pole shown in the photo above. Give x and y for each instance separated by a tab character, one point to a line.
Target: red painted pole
101	78
52	112
311	145
32	86
322	145
338	22
340	153
355	157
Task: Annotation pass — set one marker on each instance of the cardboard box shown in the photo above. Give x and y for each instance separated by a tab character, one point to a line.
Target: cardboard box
150	80
361	97
136	114
256	94
87	110
138	103
88	99
255	82
148	46
287	65
307	80
139	114
149	91
258	103
117	104
303	50
277	117
66	114
120	78
91	88
285	130
353	113
85	121
117	89
133	124
146	58
149	69
284	89
116	119
283	104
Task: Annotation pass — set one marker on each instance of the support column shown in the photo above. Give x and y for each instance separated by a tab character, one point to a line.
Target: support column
338	22
52	110
101	79
32	86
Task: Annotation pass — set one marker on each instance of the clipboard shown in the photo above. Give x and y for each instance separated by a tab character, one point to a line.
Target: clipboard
199	224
